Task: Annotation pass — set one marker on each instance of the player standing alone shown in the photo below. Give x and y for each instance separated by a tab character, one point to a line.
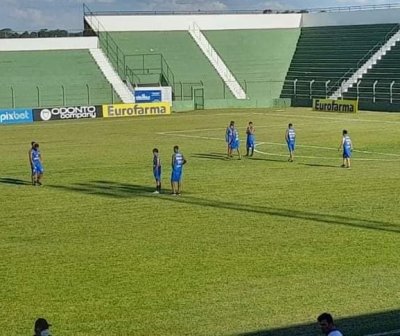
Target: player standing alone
250	143
36	163
157	170
30	162
347	146
290	138
178	160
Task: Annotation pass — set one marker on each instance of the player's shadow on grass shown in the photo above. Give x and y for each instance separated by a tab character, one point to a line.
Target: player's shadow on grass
265	159
210	156
382	323
126	190
14	181
107	188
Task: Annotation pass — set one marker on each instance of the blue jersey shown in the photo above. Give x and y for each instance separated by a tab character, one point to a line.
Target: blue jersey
250	137
346	142
156	167
177	161
37	167
35	156
346	147
291	135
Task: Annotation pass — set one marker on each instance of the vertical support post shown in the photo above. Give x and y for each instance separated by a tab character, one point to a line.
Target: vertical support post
391	92
88	94
38	96
112	94
295	87
374	91
12	97
326	88
311	84
63	94
358	89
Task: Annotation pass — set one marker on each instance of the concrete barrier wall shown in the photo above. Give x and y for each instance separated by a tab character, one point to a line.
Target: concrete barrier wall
182	22
377	16
50	43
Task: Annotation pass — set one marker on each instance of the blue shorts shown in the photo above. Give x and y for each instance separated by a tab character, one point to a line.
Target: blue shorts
346	153
291	145
176	175
234	144
250	142
157	174
37	168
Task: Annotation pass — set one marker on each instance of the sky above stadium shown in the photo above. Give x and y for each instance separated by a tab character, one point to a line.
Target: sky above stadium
23	15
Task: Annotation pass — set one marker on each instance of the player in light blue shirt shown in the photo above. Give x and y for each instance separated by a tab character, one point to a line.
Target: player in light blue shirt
36	164
251	140
234	142
347	147
228	134
177	162
157	170
290	138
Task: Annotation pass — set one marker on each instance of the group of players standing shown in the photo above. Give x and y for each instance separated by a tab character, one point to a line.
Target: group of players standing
178	160
233	142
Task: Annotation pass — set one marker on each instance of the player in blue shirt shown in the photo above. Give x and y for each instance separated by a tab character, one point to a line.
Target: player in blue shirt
234	141
228	134
290	138
30	162
36	163
177	162
250	143
157	170
347	147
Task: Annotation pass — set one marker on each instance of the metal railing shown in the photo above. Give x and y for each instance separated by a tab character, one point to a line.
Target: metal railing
150	64
374	91
364	59
251	11
28	96
118	57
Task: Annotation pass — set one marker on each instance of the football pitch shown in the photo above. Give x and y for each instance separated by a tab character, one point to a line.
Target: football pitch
257	246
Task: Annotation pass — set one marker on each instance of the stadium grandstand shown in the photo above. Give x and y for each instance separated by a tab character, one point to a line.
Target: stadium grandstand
212	59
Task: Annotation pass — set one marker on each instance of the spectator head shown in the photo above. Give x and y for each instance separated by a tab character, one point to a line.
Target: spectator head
41	327
176	149
155	150
290	125
344	132
325	321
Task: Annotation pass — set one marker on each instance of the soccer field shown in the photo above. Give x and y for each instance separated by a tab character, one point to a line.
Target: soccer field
256	245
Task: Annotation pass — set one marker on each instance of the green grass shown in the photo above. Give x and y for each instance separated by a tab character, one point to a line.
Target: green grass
256	244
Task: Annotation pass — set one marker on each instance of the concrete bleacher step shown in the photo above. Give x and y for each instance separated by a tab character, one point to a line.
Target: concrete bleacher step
217	62
111	75
367	66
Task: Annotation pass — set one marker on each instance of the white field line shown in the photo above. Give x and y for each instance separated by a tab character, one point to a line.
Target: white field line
175	133
327	118
392	332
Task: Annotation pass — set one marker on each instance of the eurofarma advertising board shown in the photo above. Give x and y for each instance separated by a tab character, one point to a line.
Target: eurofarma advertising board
15	116
67	113
153	94
136	110
333	105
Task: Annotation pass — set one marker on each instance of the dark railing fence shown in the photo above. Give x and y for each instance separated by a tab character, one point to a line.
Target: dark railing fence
63	95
